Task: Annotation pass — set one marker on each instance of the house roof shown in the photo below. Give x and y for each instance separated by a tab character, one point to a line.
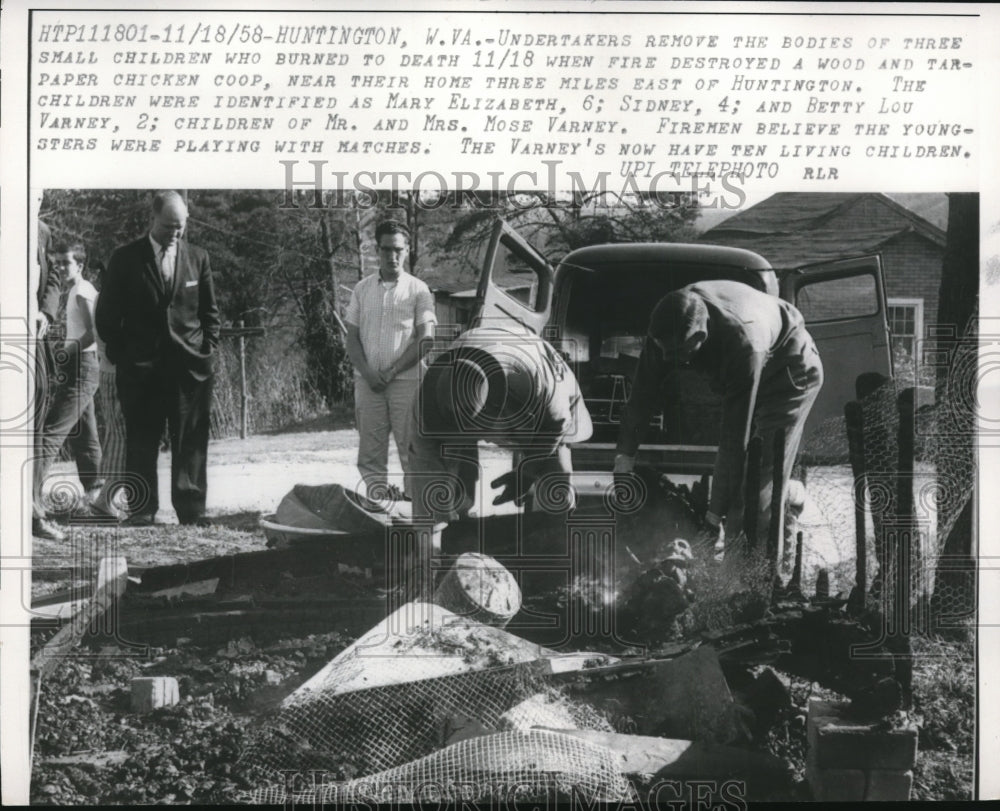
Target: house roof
792	229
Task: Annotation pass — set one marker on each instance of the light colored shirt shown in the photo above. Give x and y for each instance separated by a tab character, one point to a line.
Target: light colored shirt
81	294
165	258
387	317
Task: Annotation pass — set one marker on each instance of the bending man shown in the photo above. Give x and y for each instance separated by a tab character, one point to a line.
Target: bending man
508	387
757	354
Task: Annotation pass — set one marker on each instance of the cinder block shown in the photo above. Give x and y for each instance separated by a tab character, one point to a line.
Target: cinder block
836	785
889	785
840	743
152	692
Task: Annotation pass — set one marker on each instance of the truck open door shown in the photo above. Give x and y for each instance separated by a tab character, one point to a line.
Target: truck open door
532	303
844	307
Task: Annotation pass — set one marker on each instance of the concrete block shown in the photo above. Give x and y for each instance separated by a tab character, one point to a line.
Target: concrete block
152	692
836	742
836	785
885	784
769	697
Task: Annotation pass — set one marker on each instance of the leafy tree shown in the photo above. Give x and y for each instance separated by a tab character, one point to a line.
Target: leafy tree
558	225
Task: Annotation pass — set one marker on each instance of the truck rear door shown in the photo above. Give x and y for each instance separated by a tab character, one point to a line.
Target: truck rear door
509	253
844	306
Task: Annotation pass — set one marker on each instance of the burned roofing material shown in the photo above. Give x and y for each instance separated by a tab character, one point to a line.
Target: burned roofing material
792	229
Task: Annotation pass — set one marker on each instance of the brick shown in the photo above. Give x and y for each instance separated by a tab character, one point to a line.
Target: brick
152	692
889	785
840	743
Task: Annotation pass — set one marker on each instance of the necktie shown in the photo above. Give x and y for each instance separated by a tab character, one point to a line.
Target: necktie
166	266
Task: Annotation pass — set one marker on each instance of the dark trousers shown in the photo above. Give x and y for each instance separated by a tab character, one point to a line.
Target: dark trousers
70	418
149	398
783	403
40	407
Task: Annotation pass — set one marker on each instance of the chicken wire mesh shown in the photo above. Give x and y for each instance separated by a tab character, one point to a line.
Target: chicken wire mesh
535	765
367	732
904	547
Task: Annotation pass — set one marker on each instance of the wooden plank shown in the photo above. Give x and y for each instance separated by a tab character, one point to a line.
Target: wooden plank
855	421
58	611
197	589
89	760
112	577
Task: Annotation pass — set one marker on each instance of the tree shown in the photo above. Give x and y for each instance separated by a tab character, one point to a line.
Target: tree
955	397
559	225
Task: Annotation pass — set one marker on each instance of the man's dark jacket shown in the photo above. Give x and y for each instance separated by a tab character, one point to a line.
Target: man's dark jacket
49	284
147	325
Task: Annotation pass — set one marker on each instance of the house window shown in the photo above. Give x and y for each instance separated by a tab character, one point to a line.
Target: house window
906	326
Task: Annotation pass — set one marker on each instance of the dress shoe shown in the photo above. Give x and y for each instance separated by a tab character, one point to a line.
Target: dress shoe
45	529
139	520
93	514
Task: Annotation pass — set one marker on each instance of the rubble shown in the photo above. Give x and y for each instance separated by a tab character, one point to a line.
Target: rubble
686	697
153	692
653	759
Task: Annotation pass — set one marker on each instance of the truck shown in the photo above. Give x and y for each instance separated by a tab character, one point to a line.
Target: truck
594	306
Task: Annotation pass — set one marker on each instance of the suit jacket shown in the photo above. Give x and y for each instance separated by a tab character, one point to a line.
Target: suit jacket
49	284
147	325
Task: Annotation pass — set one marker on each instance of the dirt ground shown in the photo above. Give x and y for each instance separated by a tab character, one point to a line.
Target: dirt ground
248	478
188	753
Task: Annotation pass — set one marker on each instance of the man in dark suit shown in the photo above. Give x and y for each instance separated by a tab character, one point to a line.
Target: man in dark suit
160	323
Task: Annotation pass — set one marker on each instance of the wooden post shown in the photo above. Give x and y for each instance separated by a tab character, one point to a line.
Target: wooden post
751	492
796	582
877	435
774	538
908	557
241	332
243	381
854	420
906	551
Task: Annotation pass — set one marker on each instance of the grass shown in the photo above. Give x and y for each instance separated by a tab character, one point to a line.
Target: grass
944	686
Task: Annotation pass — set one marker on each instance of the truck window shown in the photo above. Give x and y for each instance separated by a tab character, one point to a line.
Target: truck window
835	299
606	312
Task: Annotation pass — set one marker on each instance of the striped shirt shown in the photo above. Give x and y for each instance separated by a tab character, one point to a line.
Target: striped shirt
387	316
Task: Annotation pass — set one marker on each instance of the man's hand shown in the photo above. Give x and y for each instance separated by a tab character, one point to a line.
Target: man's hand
386	376
508	481
624	463
41	325
374	380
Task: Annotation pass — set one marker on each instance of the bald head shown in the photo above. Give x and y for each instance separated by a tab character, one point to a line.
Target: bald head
169	218
679	324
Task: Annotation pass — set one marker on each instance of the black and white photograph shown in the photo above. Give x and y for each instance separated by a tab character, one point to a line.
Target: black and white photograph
498	404
557	553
